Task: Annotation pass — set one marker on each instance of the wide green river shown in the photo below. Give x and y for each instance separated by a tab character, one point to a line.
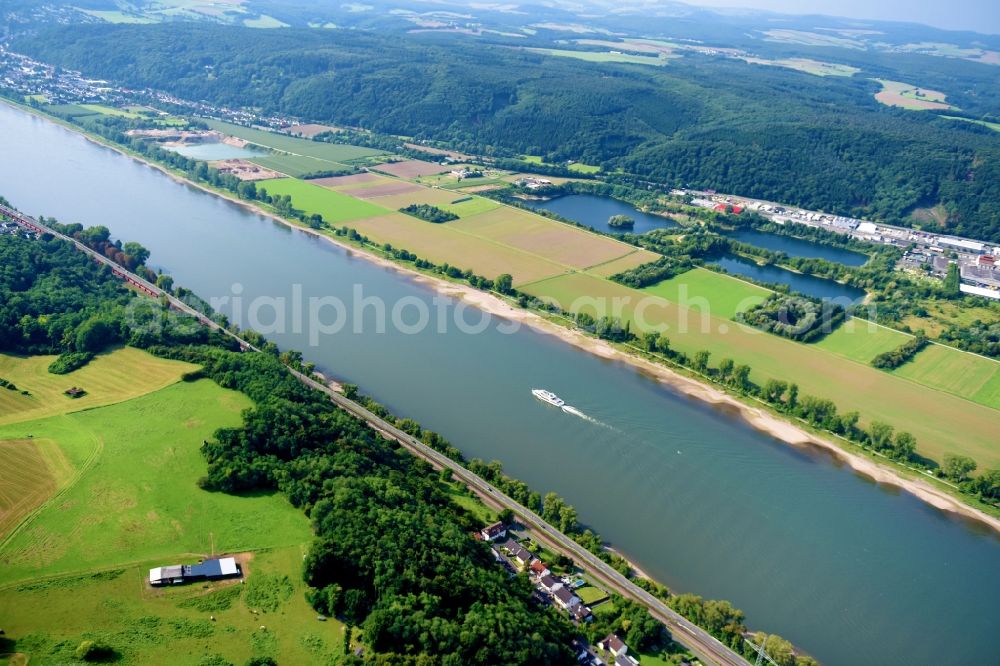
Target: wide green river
851	571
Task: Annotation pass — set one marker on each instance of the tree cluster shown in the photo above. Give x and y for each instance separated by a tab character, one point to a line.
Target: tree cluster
429	213
795	317
893	359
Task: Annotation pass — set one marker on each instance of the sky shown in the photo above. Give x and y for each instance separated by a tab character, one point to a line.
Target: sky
976	15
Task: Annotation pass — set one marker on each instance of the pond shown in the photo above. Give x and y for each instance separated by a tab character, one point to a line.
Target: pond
594	212
213	151
798	247
810	285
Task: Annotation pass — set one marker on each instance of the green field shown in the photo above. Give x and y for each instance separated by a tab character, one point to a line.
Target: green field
590	594
942	422
46	620
984	123
575	166
327	152
133	495
473	206
34	470
114	16
296	166
860	341
69	110
111	377
111	111
708	291
264	21
807	65
607	56
336	208
448	182
954	371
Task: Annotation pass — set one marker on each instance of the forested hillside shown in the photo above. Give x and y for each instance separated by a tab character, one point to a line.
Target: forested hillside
819	142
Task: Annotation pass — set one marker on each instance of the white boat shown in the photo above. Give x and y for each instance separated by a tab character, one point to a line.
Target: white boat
548	396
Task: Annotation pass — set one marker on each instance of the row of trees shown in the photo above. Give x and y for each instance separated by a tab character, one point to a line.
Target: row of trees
905	352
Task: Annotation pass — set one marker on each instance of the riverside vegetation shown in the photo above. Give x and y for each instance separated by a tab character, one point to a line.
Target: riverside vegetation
359	491
681	251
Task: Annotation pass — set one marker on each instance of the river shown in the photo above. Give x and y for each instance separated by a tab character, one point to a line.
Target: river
850	571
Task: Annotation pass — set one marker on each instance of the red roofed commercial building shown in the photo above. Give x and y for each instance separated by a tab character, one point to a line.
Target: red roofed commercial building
726	208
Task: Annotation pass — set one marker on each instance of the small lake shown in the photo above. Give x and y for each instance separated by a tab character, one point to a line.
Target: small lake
797	247
810	285
213	151
594	212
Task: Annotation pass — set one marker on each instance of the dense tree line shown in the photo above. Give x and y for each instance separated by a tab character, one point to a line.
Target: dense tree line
893	359
821	143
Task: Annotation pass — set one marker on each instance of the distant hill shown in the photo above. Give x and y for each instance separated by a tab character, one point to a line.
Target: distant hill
770	132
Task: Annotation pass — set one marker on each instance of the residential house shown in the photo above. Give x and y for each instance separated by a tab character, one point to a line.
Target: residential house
539	569
581	613
611	643
521	555
550	584
565	599
493	532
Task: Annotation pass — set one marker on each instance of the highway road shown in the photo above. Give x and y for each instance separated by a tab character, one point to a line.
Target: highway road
708	649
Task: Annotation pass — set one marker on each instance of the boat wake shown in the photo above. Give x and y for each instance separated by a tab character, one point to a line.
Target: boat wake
556	401
570	409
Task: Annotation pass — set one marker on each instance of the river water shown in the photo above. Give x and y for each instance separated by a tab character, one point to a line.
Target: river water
850	571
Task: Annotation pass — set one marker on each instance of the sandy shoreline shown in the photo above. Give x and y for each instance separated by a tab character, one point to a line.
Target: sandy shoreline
758	418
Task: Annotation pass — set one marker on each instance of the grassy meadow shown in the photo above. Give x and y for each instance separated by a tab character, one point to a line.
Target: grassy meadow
294	165
35	470
605	56
133	496
45	620
985	123
860	341
111	377
808	66
336	208
955	371
705	290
